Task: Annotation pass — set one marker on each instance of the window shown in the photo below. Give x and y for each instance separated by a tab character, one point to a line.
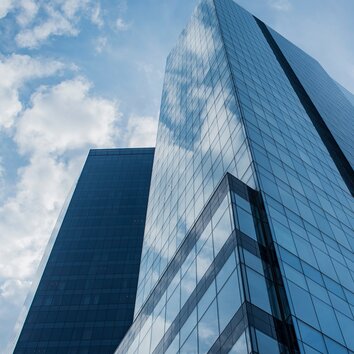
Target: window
246	222
266	344
258	290
208	330
240	347
229	300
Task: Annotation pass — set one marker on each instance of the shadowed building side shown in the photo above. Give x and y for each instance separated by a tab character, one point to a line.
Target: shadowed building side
86	295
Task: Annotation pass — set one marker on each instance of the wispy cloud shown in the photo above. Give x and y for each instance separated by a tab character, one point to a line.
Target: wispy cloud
15	71
55	131
57	21
96	15
122	25
57	25
42	19
27	11
141	131
2	180
5	7
100	44
280	5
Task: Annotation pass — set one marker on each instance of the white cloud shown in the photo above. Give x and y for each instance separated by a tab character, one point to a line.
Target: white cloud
141	131
27	218
5	7
61	123
72	7
64	117
56	24
10	288
57	18
27	10
26	221
121	25
15	71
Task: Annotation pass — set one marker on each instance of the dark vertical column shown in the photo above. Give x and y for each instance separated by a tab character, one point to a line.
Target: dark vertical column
266	306
86	296
325	134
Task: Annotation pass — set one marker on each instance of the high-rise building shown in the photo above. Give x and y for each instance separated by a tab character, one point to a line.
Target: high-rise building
85	298
248	244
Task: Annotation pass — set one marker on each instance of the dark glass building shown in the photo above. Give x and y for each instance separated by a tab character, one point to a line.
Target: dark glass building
85	299
248	245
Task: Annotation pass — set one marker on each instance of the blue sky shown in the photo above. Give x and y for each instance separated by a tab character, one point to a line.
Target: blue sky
77	74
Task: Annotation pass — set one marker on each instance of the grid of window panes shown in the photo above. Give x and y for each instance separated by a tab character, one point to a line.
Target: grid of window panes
330	101
200	137
196	255
214	288
85	299
349	95
308	205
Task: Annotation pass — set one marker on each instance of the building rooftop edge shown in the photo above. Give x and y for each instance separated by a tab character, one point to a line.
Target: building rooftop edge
121	151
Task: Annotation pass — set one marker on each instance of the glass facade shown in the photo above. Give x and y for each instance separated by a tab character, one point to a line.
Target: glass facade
200	137
248	246
85	299
248	243
308	204
221	292
347	94
323	92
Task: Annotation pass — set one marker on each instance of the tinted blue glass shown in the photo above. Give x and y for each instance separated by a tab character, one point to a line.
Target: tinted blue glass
85	298
240	347
307	200
200	138
229	105
324	93
312	337
208	329
229	300
191	344
266	344
258	290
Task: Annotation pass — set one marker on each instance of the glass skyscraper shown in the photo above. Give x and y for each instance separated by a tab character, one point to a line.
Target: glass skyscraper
84	302
248	241
248	244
